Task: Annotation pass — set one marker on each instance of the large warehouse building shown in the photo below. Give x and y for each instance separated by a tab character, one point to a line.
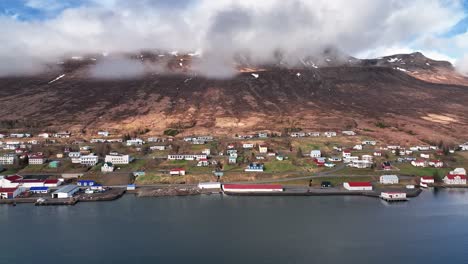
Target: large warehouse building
252	188
357	186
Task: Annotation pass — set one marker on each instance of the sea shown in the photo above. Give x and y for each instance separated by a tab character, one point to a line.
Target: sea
431	228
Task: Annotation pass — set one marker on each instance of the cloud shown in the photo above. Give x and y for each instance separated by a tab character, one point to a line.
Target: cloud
117	68
225	28
462	65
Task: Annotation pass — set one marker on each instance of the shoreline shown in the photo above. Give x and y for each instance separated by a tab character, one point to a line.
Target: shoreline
117	193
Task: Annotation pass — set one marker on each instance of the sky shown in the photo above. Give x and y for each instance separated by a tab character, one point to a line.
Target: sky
36	32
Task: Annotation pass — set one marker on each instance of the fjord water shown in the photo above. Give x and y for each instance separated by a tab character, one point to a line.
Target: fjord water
432	228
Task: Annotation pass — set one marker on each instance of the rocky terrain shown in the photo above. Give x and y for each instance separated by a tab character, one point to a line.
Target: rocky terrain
405	97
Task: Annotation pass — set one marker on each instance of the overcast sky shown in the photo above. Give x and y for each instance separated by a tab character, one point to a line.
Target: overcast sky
38	31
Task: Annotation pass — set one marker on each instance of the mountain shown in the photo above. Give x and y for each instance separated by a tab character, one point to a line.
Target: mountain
405	97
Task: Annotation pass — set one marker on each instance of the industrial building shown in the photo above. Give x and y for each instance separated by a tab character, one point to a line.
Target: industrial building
357	186
66	191
209	185
243	188
39	189
10	193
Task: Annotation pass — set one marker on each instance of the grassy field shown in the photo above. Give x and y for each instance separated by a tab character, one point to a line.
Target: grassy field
408	169
335	181
280	166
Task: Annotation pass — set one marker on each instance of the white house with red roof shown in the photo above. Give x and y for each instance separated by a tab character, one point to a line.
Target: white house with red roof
36	159
419	163
455	179
436	163
357	186
177	171
427	180
28	183
203	163
346	153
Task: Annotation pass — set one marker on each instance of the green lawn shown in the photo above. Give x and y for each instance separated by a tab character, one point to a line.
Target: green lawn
408	169
280	166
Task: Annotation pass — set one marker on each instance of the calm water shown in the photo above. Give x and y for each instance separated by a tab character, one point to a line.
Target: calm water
432	228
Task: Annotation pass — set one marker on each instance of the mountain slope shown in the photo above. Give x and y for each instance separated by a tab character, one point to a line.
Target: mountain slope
365	95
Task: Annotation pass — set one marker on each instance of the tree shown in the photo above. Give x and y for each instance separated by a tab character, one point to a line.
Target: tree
299	153
397	152
436	176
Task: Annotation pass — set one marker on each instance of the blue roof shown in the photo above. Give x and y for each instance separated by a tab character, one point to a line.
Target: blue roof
39	188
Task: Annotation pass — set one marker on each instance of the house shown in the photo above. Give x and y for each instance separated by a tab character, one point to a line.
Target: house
367	157
135	142
350	159
419	163
386	166
54	164
10	193
393	196
89	160
464	146
254	167
357	147
36	159
63	134
262	135
203	163
231	146
330	134
178	171
360	164
232	159
74	156
427	180
454	179
297	134
160	147
460	171
425	156
320	161
389	179
335	159
8	159
357	186
65	192
262	149
313	134
337	148
103	133
231	152
186	156
346	153
369	142
107	167
315	153
247	146
117	159
39	190
206	151
44	135
131	187
436	163
348	133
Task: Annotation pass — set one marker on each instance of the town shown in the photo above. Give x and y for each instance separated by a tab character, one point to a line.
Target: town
62	168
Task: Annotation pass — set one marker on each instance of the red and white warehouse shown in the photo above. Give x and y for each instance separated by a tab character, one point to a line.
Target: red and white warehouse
357	186
243	188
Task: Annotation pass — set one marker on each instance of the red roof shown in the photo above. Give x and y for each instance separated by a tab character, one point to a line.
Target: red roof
427	178
7	190
28	181
179	169
452	176
359	184
13	178
51	181
252	186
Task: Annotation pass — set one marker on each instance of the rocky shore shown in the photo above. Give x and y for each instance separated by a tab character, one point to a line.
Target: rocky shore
161	192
